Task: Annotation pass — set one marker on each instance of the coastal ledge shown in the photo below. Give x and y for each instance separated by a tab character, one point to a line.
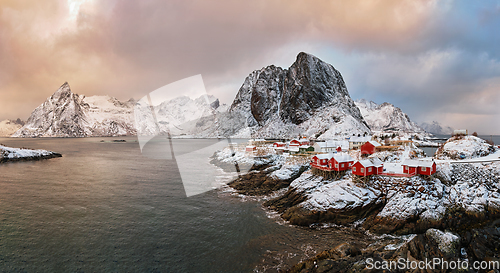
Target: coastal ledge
8	154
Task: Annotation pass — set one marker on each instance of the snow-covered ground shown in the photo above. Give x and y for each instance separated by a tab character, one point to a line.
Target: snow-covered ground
473	187
466	147
18	153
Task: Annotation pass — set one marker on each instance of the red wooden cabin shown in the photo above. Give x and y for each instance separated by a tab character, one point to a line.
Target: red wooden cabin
332	162
370	147
368	167
423	167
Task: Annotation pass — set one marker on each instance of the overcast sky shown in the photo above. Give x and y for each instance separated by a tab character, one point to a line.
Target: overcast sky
437	60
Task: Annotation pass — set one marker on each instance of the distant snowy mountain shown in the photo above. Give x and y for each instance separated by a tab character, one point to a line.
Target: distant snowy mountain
9	127
181	116
66	114
436	128
386	117
309	98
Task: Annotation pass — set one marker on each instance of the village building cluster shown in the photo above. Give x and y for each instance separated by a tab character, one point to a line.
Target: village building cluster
331	158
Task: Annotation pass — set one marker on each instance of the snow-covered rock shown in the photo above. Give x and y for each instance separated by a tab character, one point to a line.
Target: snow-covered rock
386	117
309	98
447	242
9	127
465	147
13	154
342	194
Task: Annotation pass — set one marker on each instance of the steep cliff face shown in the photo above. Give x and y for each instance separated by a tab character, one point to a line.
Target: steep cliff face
386	117
66	114
309	98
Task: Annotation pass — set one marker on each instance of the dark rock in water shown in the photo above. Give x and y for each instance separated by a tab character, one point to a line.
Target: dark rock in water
119	140
30	158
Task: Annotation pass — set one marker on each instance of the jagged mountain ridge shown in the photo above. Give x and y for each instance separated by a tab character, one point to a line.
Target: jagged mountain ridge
309	98
66	114
386	117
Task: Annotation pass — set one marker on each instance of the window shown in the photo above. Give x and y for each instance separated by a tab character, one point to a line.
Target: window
350	164
353	169
370	169
362	170
336	166
342	165
423	169
406	167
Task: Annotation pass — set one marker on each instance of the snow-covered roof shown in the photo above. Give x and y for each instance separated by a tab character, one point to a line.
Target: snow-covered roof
377	162
279	142
417	163
324	156
260	139
303	140
372	162
374	143
342	157
250	146
366	163
294	149
344	144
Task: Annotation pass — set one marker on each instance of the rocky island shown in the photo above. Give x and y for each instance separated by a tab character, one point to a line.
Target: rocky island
8	154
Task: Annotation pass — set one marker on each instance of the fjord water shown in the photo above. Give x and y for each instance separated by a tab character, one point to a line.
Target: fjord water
103	207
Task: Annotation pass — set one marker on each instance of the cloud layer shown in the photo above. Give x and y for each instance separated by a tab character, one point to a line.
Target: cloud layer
435	60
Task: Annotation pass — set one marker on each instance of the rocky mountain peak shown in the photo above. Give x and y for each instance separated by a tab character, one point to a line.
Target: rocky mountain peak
273	96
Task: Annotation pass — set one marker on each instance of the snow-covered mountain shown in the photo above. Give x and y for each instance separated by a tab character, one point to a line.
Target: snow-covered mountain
179	116
8	127
386	117
436	128
66	114
309	98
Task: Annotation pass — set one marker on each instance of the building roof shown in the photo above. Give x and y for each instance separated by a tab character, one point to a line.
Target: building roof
294	149
372	162
343	157
418	163
344	144
374	143
303	140
324	156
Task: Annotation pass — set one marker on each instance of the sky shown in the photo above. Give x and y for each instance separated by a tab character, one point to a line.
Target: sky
436	60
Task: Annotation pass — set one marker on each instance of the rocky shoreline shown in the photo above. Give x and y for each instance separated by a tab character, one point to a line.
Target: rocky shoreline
463	201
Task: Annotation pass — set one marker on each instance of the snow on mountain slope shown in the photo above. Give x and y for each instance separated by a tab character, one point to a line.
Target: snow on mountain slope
309	98
179	116
386	117
8	127
66	114
436	128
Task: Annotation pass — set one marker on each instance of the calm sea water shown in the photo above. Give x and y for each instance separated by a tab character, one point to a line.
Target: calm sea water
103	207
